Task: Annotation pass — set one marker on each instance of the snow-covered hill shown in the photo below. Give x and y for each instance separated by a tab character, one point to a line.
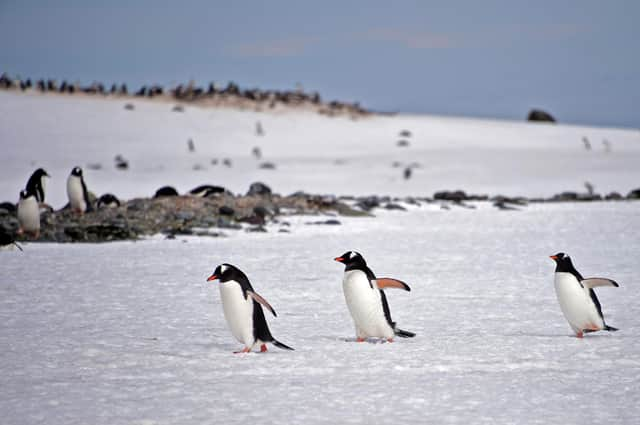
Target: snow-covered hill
311	152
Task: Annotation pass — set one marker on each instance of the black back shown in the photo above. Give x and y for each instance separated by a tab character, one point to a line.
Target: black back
35	185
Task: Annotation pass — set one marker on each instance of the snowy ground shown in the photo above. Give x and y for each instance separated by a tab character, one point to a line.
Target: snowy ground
131	333
312	152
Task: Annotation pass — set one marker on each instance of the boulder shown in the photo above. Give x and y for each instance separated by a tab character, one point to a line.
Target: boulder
540	116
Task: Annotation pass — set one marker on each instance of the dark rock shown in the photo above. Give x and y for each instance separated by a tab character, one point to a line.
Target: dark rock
392	206
402	143
165	191
504	206
268	166
455	196
129	106
405	133
330	222
178	108
634	194
226	210
613	196
256	229
10	207
565	196
368	203
259	189
509	200
540	115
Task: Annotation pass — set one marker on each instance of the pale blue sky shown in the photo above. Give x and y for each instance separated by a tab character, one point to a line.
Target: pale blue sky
580	60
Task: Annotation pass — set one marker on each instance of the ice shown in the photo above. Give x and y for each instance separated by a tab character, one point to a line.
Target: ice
130	332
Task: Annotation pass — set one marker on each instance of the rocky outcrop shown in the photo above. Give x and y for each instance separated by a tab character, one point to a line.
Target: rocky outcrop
540	116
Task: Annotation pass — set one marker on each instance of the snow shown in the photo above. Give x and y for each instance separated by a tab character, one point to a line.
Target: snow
130	332
311	152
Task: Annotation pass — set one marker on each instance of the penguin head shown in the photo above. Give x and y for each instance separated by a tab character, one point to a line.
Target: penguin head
559	257
77	171
225	272
40	173
351	258
563	263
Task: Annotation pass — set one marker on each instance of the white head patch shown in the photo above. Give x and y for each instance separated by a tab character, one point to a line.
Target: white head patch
353	255
223	268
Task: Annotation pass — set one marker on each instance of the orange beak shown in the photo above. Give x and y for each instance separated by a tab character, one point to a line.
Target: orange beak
212	277
339	259
553	257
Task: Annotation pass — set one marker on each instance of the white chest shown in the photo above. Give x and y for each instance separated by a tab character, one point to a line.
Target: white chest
575	302
365	305
29	214
75	193
238	311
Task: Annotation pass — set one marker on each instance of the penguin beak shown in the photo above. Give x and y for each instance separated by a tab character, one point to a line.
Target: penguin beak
212	277
339	259
553	257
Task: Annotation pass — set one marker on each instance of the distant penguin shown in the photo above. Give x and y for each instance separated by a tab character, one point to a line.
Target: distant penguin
577	299
77	192
191	145
206	190
587	143
7	240
259	129
29	214
366	299
242	308
37	184
107	201
165	191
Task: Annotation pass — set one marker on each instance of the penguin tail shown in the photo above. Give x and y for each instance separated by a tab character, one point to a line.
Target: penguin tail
281	345
610	328
403	334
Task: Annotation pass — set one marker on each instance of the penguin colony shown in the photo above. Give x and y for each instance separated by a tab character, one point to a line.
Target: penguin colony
363	291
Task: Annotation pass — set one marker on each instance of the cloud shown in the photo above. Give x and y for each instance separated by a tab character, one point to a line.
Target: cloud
274	48
412	39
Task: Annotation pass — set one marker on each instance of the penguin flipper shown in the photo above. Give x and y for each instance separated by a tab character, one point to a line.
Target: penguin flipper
281	345
610	328
403	334
262	301
387	282
593	282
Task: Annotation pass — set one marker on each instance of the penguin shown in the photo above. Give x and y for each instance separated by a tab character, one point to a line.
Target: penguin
577	299
77	192
36	184
7	240
28	214
107	201
205	190
242	308
367	301
165	191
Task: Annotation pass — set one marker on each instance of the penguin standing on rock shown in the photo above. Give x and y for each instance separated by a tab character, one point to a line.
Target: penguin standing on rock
578	301
28	214
36	184
242	308
77	192
367	301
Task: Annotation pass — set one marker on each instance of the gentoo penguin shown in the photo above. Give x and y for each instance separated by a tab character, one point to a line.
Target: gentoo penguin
206	189
577	299
367	302
28	214
107	201
77	191
36	184
7	240
243	310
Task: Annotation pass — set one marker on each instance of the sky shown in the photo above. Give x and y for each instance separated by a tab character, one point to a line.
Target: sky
579	60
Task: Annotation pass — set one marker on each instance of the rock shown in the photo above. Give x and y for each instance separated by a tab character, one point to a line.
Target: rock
405	133
178	108
455	196
613	196
402	143
226	210
565	196
392	206
503	206
165	191
330	222
634	194
259	189
540	115
9	207
268	166
129	106
256	229
368	203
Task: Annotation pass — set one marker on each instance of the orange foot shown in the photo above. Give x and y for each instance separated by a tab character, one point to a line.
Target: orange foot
389	339
244	350
360	340
579	334
263	348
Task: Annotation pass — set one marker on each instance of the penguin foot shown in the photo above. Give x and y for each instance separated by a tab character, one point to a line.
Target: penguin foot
244	350
389	339
360	339
263	348
579	334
